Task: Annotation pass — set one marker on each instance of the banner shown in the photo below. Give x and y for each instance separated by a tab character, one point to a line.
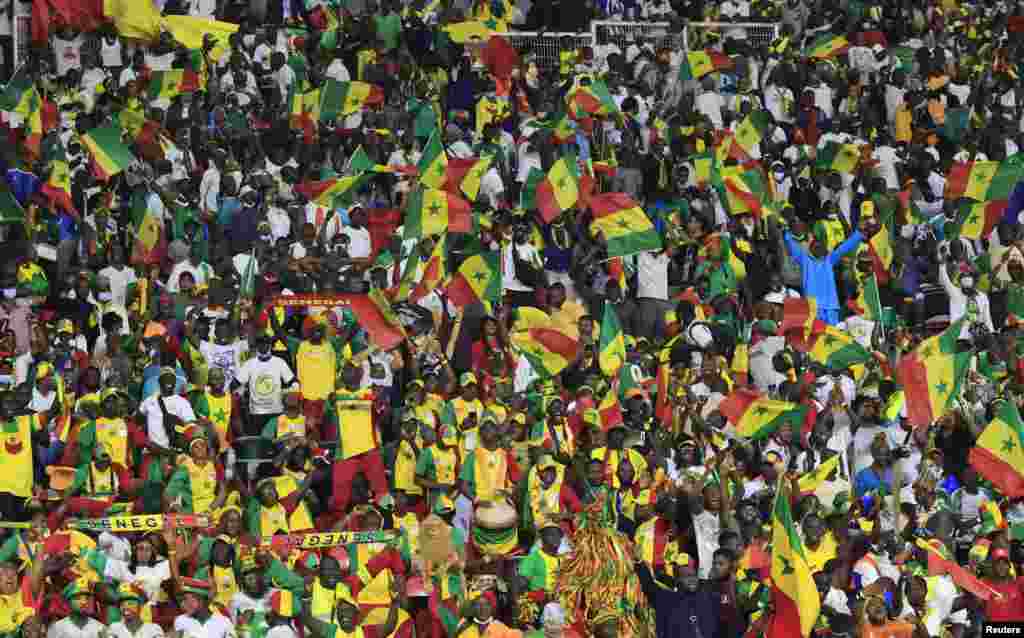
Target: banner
323	301
139	523
327	539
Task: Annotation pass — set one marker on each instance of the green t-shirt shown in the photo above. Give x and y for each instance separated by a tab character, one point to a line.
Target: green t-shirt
389	27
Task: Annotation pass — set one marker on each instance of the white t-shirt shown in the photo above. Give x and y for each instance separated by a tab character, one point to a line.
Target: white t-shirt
652	275
110	53
176	406
119	280
64	628
147	630
508	266
266	381
359	245
707	527
227	357
216	626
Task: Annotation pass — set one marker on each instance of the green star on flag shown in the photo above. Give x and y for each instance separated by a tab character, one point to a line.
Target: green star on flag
787	567
941	388
1008	445
219	415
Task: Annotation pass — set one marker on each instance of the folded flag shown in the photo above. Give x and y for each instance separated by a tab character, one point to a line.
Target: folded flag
432	212
344	98
556	192
477	280
625	226
932	374
697	64
109	154
755	416
828	45
998	454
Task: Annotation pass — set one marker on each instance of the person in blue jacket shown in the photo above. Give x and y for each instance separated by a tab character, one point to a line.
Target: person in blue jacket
687	610
818	271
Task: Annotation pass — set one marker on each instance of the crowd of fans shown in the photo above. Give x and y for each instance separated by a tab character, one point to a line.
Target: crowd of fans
625	342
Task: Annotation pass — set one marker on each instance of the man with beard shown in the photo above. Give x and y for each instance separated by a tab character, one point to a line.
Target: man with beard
687	608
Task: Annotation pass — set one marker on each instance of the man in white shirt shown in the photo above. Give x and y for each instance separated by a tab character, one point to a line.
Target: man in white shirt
119	274
359	243
152	410
78	623
520	293
966	302
198	620
709	103
266	377
130	601
652	293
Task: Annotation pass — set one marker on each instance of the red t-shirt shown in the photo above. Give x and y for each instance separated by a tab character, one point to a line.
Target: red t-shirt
1011	605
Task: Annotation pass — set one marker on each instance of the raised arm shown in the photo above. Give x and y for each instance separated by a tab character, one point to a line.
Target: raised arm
851	242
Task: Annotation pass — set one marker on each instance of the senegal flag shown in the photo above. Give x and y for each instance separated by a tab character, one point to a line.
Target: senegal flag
466	174
58	186
305	113
109	154
594	99
609	411
556	192
841	158
880	249
978	220
612	353
624	225
998	454
868	304
172	83
548	350
374	313
478	279
746	193
434	273
334	192
697	64
752	130
756	417
794	593
984	181
799	313
150	242
827	46
836	349
433	165
931	375
432	212
812	480
343	98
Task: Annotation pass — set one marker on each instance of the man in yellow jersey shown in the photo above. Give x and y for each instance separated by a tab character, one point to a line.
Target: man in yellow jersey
316	362
351	410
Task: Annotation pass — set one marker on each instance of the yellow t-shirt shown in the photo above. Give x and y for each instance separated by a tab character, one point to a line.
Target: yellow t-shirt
355	423
464	408
378	590
274	520
405	469
490	469
203	482
113	435
220	415
300	519
317	367
13	612
16	453
826	551
224	577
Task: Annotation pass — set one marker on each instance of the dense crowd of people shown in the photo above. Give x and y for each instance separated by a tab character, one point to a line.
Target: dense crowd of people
359	321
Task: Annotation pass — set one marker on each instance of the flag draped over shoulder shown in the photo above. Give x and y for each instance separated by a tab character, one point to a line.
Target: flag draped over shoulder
794	594
932	374
625	226
755	416
998	454
612	352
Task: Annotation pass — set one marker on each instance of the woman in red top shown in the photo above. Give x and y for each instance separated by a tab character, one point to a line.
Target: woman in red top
490	352
1010	606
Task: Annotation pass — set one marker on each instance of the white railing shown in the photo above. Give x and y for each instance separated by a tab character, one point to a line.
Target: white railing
757	33
545	46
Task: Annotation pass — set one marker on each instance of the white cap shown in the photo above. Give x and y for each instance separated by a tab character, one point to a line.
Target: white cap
775	297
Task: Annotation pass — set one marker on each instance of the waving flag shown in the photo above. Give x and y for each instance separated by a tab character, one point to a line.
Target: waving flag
624	225
978	220
984	181
594	99
880	249
374	313
334	192
343	98
827	46
998	454
812	480
755	416
612	353
556	192
170	84
841	158
305	113
868	304
150	242
477	280
932	374
746	193
799	313
548	350
752	130
794	594
434	273
836	349
697	64
433	164
466	174
109	154
432	212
